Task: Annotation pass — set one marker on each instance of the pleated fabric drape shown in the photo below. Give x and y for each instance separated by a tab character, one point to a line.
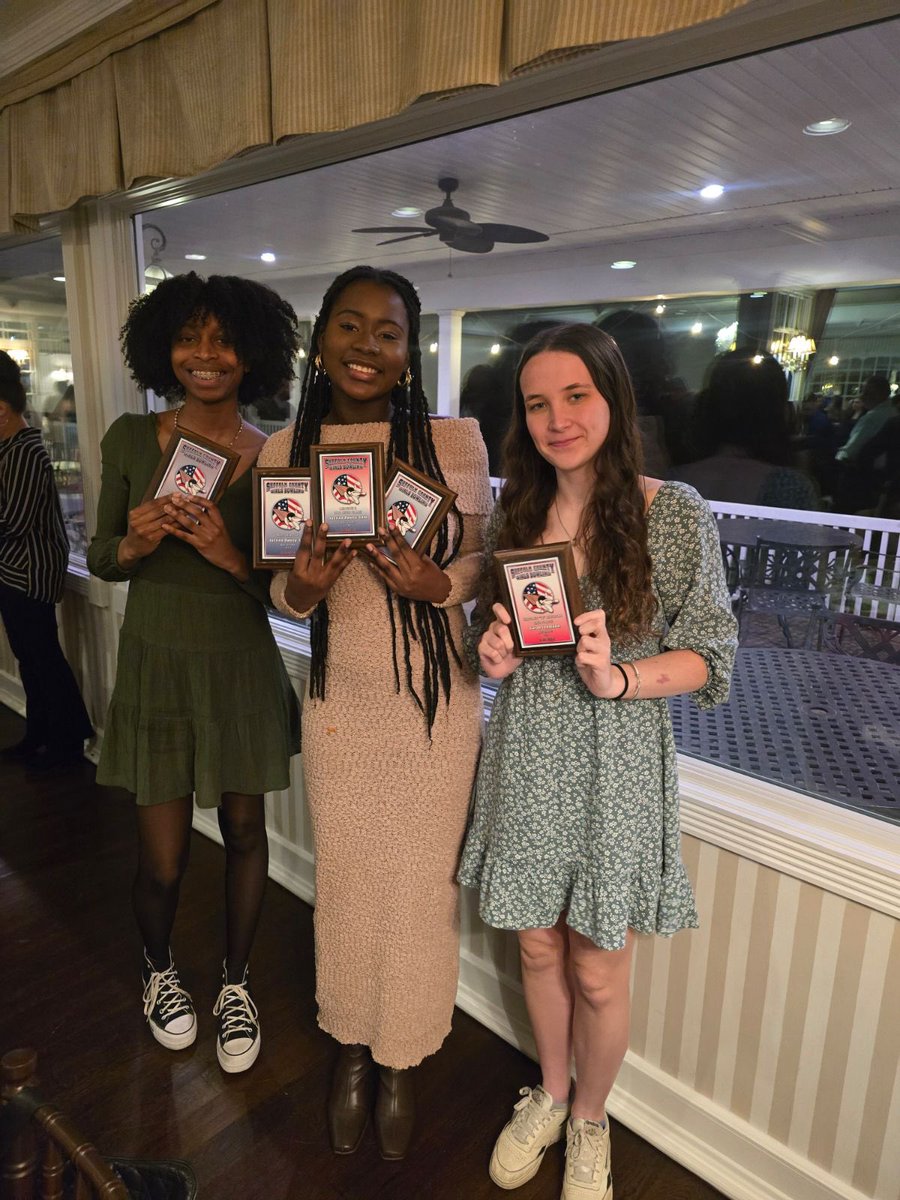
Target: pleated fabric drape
174	87
539	32
197	94
355	61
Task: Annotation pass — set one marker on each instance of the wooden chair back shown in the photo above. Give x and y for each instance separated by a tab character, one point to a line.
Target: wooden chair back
42	1154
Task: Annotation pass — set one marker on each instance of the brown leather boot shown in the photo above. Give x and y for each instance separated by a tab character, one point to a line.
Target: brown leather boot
394	1111
350	1098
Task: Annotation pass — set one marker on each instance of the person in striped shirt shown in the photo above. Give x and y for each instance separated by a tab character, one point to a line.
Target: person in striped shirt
34	554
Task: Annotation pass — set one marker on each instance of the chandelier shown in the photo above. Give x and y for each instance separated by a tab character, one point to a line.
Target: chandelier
792	349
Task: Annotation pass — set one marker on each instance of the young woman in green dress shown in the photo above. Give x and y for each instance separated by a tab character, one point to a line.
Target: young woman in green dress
574	839
202	705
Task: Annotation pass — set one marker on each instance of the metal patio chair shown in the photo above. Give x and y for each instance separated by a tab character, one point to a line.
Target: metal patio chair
864	637
789	581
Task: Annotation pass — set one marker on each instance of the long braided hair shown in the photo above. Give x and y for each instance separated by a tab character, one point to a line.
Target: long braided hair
410	439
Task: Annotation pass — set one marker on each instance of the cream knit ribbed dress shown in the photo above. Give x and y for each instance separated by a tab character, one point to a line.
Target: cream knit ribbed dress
389	806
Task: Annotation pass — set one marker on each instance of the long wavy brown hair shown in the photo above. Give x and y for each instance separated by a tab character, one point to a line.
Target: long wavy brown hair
614	526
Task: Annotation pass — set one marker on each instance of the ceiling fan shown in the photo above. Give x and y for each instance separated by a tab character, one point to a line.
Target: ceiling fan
455	228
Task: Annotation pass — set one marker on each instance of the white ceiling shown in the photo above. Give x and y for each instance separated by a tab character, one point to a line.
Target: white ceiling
611	177
614	176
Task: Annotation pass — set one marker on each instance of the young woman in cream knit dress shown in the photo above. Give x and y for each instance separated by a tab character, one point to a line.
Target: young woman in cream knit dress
392	725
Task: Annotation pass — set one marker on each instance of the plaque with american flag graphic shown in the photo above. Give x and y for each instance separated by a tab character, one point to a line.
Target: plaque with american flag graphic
347	490
193	466
540	590
281	508
415	504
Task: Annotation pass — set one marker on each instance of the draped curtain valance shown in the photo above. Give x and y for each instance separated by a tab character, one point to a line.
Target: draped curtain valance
173	87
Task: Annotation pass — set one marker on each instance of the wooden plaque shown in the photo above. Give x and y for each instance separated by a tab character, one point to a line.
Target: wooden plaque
415	505
281	507
540	590
192	466
347	489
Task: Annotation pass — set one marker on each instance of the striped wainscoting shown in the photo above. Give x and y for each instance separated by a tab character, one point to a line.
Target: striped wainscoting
765	1047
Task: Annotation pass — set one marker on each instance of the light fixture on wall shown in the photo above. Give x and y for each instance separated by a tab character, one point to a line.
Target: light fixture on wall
155	272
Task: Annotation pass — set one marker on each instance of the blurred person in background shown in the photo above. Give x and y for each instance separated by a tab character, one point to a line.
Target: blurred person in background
663	403
34	556
487	392
743	420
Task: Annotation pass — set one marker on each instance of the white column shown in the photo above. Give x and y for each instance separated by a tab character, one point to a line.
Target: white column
101	280
449	361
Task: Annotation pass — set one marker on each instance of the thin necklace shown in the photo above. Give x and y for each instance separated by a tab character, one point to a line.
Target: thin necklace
559	518
240	427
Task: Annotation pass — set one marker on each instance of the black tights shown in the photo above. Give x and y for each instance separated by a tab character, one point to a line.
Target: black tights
164	838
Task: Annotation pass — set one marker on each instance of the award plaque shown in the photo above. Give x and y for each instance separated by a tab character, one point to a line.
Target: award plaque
192	466
415	505
281	507
348	490
540	590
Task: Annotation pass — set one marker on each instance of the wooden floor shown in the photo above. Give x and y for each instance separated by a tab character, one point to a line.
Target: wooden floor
71	989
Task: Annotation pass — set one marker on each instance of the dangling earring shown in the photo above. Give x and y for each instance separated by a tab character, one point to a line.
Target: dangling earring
405	379
317	363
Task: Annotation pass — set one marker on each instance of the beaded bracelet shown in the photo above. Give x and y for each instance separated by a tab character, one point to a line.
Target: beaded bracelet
619	695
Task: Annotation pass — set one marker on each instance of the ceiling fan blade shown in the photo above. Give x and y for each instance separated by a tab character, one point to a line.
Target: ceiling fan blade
394	229
476	244
513	233
409	237
450	225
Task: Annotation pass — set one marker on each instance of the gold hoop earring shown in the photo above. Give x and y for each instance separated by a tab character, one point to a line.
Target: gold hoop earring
317	363
405	379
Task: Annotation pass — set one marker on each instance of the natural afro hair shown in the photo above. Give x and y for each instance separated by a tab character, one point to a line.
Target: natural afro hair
260	325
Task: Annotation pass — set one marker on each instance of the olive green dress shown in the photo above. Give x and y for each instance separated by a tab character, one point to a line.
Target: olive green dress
576	801
202	702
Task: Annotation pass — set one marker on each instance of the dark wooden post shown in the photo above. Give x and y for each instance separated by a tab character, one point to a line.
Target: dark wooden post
18	1070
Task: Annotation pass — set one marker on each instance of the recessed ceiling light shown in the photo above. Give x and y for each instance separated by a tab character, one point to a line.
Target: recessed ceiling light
623	264
712	191
407	212
267	256
59	279
660	309
826	127
196	257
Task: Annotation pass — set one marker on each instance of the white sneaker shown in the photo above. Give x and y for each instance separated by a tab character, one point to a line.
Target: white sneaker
239	1039
168	1007
519	1150
588	1174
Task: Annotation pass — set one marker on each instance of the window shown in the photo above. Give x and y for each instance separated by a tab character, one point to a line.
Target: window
34	330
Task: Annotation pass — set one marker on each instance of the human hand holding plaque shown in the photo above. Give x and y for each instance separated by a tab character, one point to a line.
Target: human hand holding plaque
593	660
406	572
145	532
313	574
199	523
496	651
